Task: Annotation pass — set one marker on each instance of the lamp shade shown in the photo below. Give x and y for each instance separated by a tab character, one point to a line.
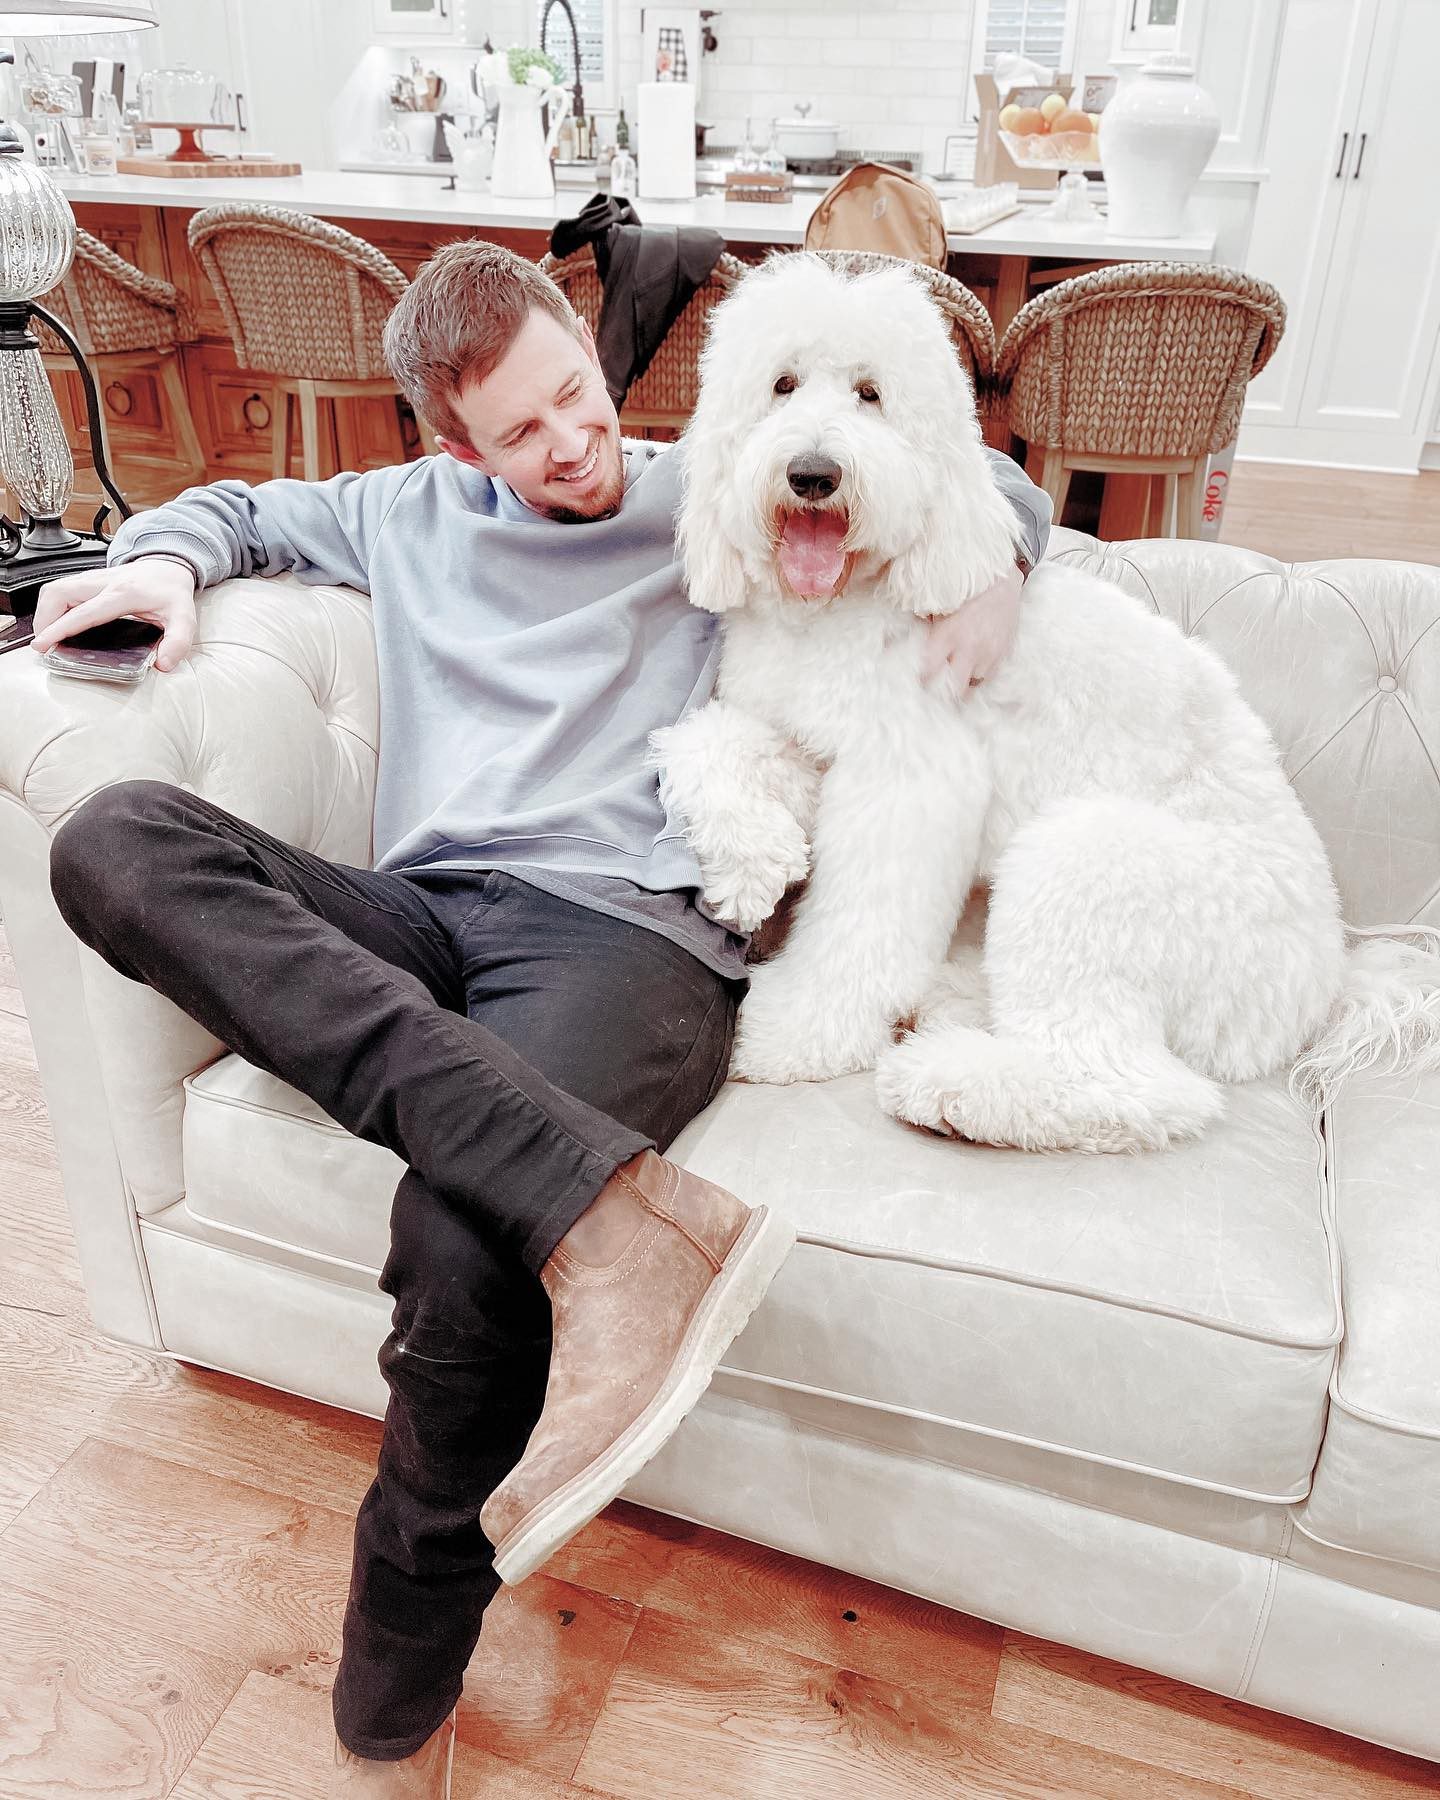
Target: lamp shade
37	227
63	18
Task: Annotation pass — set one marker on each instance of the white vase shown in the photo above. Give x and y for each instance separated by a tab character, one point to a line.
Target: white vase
1156	136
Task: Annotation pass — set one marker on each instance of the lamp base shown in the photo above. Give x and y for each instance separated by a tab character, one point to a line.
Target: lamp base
24	574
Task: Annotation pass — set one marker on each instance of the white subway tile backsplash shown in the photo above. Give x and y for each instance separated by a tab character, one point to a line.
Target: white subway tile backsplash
854	53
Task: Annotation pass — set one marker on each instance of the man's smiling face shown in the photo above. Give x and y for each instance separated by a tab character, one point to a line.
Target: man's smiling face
543	422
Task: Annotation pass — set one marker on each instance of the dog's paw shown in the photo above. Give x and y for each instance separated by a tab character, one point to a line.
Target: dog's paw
906	1086
744	890
787	1033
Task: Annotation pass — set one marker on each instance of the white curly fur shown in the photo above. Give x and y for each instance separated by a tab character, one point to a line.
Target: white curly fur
1161	919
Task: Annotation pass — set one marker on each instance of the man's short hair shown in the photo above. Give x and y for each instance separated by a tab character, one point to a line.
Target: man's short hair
457	319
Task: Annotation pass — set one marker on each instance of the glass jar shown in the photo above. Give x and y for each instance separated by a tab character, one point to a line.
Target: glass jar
182	96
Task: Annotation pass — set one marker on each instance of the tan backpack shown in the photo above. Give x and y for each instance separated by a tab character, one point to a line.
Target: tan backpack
875	207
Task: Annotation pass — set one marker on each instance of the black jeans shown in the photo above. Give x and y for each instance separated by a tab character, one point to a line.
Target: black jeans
513	1048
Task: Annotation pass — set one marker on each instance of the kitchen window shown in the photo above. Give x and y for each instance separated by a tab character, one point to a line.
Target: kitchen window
595	26
1043	30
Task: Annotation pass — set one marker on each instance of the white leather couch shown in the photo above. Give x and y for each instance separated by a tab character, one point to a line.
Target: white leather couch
1183	1410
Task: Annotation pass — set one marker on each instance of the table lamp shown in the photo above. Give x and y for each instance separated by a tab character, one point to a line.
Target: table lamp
37	244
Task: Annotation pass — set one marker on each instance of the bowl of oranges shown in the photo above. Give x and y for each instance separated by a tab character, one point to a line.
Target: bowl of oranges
1054	134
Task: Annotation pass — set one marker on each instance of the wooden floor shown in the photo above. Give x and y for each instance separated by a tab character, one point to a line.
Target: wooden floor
174	1549
1301	514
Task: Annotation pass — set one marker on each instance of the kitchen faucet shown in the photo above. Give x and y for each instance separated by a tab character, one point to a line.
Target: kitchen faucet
564	6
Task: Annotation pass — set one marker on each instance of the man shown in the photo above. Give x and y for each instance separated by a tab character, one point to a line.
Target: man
523	999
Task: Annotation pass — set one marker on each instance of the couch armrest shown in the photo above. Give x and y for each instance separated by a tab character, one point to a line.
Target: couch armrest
275	717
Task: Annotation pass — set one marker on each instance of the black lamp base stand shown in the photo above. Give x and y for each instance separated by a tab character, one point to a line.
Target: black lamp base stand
35	551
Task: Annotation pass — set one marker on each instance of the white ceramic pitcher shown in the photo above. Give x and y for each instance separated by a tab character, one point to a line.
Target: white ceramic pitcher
522	169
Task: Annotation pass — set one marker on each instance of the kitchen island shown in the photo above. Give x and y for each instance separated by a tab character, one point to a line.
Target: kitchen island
409	216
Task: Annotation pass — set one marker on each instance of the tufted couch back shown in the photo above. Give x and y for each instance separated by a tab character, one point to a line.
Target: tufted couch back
1342	662
276	718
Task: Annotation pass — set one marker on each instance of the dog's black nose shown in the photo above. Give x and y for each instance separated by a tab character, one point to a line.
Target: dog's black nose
814	477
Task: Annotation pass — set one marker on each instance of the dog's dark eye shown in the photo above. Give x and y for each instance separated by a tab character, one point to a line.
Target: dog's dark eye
869	393
785	384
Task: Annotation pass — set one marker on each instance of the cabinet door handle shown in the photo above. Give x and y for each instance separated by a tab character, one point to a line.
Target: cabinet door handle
240	119
1344	146
1360	155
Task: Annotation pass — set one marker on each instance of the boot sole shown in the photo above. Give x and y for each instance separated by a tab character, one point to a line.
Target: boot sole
753	1263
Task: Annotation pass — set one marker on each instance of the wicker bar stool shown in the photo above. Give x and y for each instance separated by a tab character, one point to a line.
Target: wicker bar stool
664	396
305	304
1139	369
128	323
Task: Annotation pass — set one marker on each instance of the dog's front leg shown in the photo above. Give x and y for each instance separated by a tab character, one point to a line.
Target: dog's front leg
745	798
896	844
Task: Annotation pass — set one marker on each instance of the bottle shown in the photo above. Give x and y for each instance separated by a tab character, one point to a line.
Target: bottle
622	132
622	175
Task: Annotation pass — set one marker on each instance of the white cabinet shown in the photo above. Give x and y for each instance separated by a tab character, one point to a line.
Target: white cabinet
408	19
1142	26
1348	229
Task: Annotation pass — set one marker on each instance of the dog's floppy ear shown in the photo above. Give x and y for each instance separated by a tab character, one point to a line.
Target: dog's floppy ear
714	573
970	533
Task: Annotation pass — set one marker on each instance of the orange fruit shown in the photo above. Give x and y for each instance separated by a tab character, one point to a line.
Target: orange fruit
1072	121
1028	120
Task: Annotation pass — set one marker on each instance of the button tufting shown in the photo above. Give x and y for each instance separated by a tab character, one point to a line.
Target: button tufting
1388	684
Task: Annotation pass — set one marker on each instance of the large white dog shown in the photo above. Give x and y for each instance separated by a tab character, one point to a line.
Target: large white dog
1162	918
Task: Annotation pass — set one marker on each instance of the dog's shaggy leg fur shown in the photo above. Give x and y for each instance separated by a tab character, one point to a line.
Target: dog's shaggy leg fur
868	939
745	798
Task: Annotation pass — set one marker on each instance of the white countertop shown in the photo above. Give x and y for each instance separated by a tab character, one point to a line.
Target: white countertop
342	195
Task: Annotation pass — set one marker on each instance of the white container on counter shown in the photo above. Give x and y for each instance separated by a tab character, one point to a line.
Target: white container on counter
665	119
803	139
1156	136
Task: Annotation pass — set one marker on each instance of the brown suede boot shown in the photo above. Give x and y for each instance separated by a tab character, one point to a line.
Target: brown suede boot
647	1291
425	1775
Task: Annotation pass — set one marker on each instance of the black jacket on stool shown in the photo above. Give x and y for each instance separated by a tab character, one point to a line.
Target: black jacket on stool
648	272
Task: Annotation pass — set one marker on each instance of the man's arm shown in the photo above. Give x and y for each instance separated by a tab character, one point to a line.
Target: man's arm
323	530
972	642
1031	504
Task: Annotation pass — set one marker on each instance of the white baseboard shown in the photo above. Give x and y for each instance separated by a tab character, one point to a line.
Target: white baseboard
1396	453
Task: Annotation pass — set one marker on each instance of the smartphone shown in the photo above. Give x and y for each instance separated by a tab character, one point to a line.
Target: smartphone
121	650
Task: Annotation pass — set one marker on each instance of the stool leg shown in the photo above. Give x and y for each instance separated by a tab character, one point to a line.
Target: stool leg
181	417
280	437
309	430
1190	493
1167	511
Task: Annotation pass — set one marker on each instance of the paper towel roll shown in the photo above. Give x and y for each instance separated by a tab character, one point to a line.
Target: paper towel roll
666	118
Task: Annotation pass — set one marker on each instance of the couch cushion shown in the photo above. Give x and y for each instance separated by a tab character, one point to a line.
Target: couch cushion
1377	1485
1176	1313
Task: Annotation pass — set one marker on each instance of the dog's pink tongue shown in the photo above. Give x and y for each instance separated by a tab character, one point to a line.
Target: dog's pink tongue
812	553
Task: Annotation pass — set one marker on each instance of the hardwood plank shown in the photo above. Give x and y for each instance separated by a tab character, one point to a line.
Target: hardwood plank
536	1683
1303	514
219	1567
695	1716
693	1575
34	1442
215	1423
92	1708
1150	1719
274	1742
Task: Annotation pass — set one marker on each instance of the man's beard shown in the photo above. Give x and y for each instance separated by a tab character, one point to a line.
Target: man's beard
601	505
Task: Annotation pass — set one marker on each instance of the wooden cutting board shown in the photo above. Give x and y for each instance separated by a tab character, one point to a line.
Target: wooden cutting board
205	168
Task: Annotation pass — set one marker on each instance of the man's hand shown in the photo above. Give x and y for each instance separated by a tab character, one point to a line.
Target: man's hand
152	588
973	641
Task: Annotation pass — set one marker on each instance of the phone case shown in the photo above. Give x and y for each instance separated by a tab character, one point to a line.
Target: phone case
124	666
